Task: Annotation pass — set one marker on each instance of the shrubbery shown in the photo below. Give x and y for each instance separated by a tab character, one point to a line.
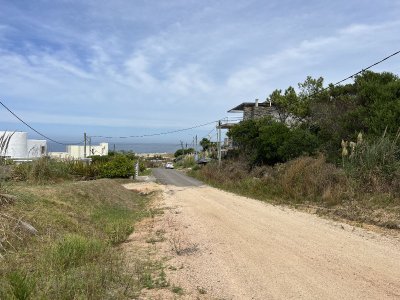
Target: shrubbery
181	152
41	170
376	165
46	169
119	166
269	142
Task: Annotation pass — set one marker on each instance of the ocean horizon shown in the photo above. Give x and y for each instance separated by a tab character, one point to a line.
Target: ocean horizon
134	147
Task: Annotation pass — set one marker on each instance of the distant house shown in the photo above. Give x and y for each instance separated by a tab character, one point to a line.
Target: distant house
19	147
78	151
255	110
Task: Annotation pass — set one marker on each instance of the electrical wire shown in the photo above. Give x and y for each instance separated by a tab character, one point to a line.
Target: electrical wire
29	126
155	134
353	75
367	68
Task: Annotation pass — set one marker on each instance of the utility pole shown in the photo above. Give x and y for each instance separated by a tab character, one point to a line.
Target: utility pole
90	146
219	142
196	156
84	147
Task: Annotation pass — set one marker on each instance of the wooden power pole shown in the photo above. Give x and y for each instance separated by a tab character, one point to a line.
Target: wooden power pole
219	143
84	147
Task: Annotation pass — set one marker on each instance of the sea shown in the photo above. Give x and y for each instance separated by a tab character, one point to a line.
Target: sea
134	147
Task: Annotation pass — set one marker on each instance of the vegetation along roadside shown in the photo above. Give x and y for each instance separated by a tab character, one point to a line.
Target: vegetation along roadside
59	235
335	150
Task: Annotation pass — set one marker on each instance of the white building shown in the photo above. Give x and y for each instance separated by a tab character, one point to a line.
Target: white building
20	147
78	152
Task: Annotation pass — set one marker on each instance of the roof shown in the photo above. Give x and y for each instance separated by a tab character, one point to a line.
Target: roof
241	106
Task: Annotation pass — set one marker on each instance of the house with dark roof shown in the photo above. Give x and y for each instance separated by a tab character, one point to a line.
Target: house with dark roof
255	110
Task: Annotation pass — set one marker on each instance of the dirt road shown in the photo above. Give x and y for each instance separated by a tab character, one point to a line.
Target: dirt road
231	247
173	177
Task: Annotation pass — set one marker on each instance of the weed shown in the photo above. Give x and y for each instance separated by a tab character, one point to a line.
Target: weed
151	275
146	279
115	221
201	290
177	290
75	250
22	285
181	247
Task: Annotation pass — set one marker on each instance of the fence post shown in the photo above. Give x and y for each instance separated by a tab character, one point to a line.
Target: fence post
137	169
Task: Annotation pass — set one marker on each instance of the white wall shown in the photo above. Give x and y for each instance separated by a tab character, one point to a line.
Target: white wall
17	148
59	155
36	148
77	152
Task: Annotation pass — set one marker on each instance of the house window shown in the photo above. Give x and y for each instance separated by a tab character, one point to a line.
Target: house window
42	150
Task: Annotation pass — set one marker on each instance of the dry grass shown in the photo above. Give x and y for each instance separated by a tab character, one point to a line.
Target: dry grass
307	182
313	179
69	253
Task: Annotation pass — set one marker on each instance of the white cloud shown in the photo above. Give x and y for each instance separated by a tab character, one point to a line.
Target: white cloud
173	63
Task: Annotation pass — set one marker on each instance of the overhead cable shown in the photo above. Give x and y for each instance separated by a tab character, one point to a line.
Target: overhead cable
29	126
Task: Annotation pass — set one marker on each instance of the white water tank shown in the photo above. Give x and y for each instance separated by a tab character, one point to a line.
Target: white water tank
36	148
17	147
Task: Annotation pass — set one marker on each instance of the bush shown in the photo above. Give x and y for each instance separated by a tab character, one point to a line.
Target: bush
312	179
41	170
84	170
119	166
299	142
49	170
266	141
181	152
186	162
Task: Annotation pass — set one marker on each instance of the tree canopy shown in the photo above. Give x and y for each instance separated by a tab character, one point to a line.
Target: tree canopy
312	117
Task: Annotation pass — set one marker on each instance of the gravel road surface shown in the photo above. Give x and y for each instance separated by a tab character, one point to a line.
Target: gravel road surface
234	247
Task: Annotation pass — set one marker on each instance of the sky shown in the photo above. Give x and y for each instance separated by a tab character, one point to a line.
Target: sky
122	68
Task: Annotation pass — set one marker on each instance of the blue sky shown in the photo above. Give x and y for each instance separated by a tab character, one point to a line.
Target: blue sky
139	67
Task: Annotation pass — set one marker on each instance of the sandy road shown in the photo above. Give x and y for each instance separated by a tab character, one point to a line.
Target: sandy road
247	249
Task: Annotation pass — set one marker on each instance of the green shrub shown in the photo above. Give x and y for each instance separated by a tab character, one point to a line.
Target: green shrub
101	158
41	170
84	170
266	141
181	152
299	142
120	166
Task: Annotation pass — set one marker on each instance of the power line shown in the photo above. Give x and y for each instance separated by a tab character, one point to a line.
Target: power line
154	134
353	75
367	68
29	126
